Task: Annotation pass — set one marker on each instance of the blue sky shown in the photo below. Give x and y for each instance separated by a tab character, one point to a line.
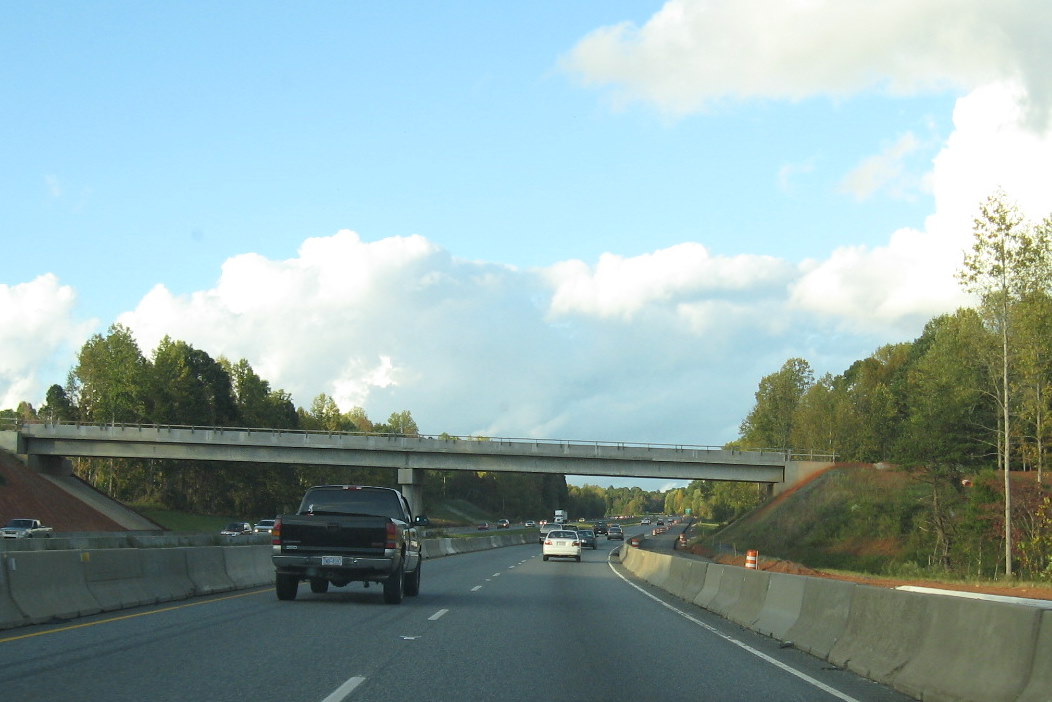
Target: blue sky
589	220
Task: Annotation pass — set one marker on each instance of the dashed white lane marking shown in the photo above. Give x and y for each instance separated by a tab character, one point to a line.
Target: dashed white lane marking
341	693
437	615
476	588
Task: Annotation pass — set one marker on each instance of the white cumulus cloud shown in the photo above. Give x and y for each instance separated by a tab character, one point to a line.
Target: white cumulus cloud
911	278
696	53
37	325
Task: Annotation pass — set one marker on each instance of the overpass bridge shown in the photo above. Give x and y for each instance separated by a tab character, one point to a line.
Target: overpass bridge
47	445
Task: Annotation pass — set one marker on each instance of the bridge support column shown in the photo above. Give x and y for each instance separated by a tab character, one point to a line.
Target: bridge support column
411	480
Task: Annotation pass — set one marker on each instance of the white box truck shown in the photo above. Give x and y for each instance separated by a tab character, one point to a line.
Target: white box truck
560	516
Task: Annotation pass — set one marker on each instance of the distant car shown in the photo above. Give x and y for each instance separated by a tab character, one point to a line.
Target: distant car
587	537
263	526
561	543
544	529
503	524
237	529
615	532
483	526
529	523
25	529
599	528
646	520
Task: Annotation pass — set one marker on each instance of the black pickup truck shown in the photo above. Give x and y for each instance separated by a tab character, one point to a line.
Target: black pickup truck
347	533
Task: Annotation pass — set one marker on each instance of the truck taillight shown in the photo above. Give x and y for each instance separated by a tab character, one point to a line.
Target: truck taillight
275	533
392	536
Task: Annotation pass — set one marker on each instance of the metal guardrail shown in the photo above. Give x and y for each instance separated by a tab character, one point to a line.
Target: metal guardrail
786	454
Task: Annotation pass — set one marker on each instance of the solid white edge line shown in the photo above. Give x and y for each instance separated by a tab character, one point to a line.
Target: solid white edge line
341	693
740	644
438	615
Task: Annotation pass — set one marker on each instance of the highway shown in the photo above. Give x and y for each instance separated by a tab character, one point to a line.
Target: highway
493	625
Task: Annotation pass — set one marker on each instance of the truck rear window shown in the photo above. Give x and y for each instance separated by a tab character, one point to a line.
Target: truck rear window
379	503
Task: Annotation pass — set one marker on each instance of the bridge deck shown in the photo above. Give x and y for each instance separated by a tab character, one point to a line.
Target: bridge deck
682	462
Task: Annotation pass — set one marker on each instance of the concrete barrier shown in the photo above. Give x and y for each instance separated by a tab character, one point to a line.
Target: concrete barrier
751	598
243	565
729	592
883	633
711	587
206	567
630	557
683	579
10	614
781	607
1040	682
972	650
48	585
39	583
164	569
929	646
115	578
823	617
653	567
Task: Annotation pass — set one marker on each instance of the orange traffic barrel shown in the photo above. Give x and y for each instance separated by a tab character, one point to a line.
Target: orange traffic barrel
750	559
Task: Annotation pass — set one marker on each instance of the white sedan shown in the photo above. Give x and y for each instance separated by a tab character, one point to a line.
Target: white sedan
562	544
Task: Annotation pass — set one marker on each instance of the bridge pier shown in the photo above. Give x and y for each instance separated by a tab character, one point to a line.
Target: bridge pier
411	481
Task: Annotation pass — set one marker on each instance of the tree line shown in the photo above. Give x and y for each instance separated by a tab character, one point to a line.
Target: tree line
966	407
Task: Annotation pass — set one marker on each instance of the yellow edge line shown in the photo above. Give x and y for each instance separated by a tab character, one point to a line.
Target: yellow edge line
131	616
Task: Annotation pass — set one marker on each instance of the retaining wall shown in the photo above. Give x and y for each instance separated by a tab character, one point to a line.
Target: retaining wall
929	646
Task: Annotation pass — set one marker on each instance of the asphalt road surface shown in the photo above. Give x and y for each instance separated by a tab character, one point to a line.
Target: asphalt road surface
493	625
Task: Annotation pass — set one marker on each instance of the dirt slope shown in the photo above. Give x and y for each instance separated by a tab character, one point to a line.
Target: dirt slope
25	494
877	480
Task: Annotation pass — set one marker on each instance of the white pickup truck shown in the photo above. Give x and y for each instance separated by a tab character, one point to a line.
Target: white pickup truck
24	529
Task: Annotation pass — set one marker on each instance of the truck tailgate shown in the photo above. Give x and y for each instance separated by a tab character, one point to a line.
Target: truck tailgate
334	534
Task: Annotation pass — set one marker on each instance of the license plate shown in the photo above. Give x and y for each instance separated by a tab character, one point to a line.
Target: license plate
332	560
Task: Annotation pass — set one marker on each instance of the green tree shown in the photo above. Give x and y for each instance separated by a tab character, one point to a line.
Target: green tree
257	404
57	406
870	413
947	410
324	415
1033	384
1009	260
400	424
109	378
770	423
357	417
816	425
187	387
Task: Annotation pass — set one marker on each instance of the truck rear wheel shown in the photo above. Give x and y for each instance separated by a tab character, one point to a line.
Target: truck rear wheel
286	586
412	580
319	585
394	586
